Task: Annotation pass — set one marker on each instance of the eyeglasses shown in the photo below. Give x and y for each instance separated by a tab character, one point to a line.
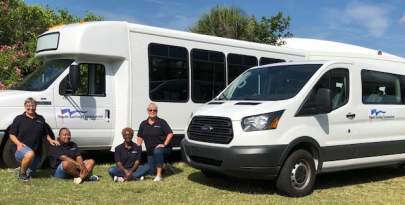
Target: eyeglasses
152	110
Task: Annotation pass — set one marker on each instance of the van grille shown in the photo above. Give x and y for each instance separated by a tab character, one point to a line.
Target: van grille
211	129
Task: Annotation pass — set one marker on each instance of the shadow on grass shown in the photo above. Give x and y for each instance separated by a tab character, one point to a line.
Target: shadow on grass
246	186
360	176
324	181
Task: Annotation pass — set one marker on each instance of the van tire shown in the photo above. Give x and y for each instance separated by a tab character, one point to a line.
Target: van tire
9	155
294	184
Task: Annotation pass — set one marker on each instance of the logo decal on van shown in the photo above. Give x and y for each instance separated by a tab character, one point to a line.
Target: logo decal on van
379	114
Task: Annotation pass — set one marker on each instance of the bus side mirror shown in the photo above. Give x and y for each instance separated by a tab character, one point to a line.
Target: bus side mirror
323	101
74	77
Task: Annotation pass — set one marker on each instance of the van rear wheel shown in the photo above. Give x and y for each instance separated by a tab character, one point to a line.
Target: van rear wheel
297	176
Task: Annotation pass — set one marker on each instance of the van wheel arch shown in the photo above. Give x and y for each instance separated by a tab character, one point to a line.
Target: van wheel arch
306	143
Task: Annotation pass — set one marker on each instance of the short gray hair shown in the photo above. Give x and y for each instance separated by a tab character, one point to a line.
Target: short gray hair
30	100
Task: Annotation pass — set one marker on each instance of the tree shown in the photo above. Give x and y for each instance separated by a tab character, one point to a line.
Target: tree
20	24
232	22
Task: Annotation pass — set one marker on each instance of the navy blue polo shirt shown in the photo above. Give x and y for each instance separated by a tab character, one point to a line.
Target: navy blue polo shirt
127	157
69	149
29	131
154	134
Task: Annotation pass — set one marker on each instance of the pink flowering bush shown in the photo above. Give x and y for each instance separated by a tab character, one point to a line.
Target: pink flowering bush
20	25
12	65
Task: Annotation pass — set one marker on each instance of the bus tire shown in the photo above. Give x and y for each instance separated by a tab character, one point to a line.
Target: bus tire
9	155
298	174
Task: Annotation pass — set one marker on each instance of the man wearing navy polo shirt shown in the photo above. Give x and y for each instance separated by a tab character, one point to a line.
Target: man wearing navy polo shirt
26	132
127	158
157	135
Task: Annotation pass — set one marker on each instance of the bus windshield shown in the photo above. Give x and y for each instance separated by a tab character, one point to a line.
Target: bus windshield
270	83
44	76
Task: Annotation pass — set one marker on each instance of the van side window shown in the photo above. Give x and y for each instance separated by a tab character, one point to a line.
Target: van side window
265	61
337	80
92	81
237	64
168	73
380	87
207	74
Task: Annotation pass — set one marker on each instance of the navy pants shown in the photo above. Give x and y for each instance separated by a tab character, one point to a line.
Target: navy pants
157	158
142	170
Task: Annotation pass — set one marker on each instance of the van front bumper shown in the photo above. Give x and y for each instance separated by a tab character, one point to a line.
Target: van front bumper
254	162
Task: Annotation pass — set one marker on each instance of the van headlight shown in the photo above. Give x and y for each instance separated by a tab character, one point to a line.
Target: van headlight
265	121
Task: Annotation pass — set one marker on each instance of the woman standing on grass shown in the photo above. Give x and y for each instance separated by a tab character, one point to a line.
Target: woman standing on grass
68	162
156	134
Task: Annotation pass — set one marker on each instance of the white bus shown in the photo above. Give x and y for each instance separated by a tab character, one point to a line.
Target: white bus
98	78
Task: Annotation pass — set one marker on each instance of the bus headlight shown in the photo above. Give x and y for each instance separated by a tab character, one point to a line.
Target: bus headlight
265	121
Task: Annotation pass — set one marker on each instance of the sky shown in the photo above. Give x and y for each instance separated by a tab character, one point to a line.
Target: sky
369	23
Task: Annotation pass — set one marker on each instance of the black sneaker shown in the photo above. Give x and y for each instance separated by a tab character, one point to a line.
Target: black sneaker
23	178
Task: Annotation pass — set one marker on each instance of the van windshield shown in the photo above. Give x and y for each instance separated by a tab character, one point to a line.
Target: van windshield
44	76
270	83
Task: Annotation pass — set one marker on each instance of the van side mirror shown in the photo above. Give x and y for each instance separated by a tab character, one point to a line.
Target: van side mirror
323	101
74	77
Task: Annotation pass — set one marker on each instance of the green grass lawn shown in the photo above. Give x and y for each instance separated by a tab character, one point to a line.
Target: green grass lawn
188	186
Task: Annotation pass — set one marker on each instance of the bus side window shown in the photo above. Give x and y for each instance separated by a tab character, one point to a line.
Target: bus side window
207	74
168	73
237	64
265	61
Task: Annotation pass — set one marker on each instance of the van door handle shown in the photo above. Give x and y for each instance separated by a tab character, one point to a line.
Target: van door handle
350	116
107	115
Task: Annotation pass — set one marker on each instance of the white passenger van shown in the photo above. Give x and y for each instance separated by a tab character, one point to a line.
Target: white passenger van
98	78
291	121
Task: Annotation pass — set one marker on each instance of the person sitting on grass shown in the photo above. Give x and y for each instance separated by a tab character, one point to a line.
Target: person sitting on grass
68	161
127	157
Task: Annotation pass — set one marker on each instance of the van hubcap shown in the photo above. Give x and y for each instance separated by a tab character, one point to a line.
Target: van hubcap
300	175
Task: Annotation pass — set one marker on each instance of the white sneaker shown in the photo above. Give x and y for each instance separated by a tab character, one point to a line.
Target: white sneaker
157	179
118	179
77	180
141	178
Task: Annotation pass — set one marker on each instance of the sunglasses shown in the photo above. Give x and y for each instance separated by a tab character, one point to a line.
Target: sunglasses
152	110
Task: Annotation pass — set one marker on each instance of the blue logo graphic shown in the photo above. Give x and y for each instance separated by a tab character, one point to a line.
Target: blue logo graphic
71	112
375	112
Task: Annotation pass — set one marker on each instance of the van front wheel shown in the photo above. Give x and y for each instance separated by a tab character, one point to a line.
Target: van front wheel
8	155
9	158
297	176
